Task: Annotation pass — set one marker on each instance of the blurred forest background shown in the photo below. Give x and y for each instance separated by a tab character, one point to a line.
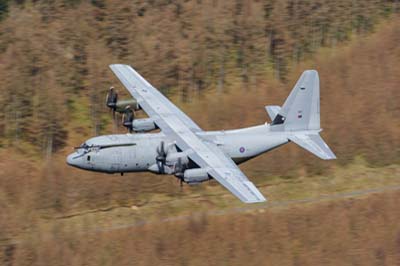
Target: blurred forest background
221	62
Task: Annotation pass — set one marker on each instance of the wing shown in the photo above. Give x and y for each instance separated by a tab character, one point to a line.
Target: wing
175	124
144	93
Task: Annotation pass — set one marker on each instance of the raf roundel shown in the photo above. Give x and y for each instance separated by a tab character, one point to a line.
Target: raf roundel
242	149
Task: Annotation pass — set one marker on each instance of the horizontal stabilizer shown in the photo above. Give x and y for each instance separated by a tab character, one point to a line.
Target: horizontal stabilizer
314	144
272	111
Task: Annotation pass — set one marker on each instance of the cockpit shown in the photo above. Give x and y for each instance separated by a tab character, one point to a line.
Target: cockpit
85	148
82	155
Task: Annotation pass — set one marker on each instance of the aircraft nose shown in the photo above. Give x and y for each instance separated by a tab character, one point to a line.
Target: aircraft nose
70	159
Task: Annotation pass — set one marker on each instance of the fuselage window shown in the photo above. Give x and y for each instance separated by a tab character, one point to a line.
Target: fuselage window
88	158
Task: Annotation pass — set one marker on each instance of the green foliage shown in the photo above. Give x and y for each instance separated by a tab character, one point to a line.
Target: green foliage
3	8
98	3
72	3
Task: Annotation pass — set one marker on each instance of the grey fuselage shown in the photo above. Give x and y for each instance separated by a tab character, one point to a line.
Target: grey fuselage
137	152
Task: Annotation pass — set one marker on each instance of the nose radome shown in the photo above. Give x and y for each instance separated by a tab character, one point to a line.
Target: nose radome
70	159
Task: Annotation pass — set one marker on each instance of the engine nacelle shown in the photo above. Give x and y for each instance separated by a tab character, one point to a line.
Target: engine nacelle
174	157
195	176
122	104
143	125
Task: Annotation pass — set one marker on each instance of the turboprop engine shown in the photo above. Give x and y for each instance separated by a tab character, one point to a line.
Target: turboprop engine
170	161
122	104
143	125
195	176
119	106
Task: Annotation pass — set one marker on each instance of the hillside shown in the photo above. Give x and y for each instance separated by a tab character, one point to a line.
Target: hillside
349	232
221	62
348	218
54	73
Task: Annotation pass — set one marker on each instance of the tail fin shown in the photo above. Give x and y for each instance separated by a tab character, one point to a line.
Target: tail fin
301	109
300	116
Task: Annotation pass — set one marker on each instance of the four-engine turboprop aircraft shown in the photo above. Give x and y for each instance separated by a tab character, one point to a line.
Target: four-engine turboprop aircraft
183	149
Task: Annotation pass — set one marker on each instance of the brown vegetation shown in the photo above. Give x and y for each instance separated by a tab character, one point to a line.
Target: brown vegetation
345	232
53	73
221	62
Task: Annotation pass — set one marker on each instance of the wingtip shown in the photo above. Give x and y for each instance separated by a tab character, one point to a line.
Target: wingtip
259	200
333	157
311	72
116	65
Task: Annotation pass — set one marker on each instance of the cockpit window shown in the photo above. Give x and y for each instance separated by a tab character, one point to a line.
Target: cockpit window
84	145
83	148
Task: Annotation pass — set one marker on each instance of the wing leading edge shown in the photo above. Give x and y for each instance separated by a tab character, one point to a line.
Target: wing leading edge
177	125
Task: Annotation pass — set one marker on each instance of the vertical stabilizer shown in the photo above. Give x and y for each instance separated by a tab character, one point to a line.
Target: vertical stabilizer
299	116
301	109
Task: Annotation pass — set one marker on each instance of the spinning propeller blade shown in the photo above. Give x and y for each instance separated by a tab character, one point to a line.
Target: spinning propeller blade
161	158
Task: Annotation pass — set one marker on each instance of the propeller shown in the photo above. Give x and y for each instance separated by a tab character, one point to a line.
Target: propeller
179	169
128	117
111	100
161	157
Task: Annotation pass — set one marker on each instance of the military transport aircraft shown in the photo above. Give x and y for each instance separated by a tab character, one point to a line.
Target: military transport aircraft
183	149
